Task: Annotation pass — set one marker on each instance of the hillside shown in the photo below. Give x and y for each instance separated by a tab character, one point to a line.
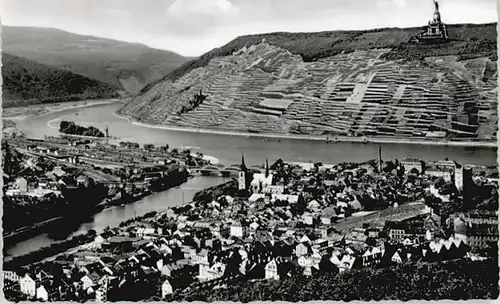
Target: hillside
28	82
450	280
335	83
127	66
313	46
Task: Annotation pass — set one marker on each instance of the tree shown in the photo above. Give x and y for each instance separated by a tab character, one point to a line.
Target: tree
149	147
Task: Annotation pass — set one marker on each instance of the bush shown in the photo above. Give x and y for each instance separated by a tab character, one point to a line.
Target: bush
459	279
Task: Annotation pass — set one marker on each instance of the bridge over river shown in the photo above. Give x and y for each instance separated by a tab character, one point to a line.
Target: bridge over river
224	171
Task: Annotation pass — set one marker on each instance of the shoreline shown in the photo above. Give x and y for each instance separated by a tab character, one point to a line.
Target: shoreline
334	139
48	109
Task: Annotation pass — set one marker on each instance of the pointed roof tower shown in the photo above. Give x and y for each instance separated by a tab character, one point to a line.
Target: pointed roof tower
243	167
267	168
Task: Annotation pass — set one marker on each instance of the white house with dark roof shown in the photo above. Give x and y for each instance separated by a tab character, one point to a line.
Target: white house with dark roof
237	230
28	285
272	270
166	289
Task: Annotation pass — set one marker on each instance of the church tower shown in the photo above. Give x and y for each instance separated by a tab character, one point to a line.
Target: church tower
243	179
267	168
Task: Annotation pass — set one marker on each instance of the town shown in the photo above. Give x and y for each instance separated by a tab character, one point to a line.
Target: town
46	181
281	221
349	164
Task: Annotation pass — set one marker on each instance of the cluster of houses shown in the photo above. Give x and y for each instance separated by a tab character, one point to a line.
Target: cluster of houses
280	224
182	253
40	179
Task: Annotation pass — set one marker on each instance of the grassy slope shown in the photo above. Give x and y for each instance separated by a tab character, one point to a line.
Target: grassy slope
28	82
128	66
475	40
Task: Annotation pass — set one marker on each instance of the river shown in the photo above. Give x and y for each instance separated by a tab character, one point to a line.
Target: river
112	217
227	149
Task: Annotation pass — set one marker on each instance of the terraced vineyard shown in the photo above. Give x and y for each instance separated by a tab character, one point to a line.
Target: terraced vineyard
266	89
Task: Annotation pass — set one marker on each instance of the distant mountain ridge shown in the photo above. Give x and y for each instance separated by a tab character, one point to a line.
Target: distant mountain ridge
346	83
27	82
126	66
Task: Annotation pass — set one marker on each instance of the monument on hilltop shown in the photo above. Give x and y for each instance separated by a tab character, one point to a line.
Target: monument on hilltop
436	31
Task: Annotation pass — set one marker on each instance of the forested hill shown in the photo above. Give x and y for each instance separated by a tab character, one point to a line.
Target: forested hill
28	82
466	40
127	66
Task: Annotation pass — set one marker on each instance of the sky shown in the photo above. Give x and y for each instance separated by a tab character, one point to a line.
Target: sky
193	27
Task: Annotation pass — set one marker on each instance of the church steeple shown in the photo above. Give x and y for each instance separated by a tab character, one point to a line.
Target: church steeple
243	175
243	167
267	168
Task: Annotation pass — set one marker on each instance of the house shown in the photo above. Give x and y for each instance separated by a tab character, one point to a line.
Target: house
171	214
203	256
260	182
101	293
328	220
272	270
347	262
313	205
216	271
399	257
357	236
304	261
237	230
397	230
311	269
142	232
42	294
166	289
97	243
87	282
291	199
21	184
302	249
274	189
254	226
28	285
256	197
412	165
310	218
11	276
372	256
82	180
219	230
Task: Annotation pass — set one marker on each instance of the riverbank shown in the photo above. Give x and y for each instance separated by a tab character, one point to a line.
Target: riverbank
107	204
330	139
20	113
79	240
